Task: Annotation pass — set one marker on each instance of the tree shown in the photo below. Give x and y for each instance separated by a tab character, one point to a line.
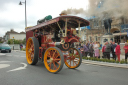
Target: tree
24	41
10	41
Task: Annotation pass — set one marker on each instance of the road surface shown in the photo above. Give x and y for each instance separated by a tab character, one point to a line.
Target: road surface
14	70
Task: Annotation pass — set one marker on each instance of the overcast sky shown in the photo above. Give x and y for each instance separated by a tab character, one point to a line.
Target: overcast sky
12	15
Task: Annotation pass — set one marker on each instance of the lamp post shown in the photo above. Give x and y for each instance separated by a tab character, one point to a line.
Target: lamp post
13	43
25	12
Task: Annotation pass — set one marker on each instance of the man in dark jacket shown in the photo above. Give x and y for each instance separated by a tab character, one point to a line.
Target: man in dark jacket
113	50
91	49
108	50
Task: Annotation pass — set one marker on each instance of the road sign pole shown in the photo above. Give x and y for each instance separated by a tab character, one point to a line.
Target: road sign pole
13	43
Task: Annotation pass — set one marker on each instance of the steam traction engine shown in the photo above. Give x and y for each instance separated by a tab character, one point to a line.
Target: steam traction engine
51	42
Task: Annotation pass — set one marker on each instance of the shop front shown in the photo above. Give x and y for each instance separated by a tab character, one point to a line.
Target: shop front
120	37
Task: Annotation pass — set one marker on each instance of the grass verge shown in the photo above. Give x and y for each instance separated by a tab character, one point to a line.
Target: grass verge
104	60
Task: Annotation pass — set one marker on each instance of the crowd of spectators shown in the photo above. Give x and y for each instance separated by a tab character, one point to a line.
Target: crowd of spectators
109	48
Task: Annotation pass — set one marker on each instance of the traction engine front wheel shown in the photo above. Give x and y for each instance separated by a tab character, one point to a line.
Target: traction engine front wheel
32	50
53	59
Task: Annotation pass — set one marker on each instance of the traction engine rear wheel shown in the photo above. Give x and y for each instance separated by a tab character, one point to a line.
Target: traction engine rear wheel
74	58
53	59
32	50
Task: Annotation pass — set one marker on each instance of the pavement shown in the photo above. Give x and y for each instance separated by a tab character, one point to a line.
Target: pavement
105	64
118	65
19	51
122	57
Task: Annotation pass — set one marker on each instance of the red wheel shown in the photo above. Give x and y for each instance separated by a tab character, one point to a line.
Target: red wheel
73	58
53	59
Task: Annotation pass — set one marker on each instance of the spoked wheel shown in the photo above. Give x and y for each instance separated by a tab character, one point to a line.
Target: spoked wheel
32	50
53	59
73	58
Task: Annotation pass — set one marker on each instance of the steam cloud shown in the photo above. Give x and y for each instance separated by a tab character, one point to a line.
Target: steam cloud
74	11
109	8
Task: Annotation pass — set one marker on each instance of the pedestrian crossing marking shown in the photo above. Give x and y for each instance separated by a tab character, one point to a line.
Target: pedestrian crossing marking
2	54
4	65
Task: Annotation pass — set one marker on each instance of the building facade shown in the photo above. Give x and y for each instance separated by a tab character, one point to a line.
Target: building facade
116	27
119	28
96	31
14	35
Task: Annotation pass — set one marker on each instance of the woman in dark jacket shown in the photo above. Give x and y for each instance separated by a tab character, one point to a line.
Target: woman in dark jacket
85	50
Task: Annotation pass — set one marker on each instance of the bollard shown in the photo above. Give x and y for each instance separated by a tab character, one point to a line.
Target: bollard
13	47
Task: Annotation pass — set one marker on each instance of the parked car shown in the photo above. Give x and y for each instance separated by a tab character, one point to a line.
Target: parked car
5	48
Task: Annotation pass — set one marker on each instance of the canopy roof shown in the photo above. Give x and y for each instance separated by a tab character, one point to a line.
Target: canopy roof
72	21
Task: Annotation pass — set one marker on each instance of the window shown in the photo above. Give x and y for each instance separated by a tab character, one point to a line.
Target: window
96	23
117	39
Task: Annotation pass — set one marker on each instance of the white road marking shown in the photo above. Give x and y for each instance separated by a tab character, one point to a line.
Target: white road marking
20	68
5	61
4	65
16	56
87	64
2	54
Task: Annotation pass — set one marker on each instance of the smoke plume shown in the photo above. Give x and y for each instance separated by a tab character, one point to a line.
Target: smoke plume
108	9
74	11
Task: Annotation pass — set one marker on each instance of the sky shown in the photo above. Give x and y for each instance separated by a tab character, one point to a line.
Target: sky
12	15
